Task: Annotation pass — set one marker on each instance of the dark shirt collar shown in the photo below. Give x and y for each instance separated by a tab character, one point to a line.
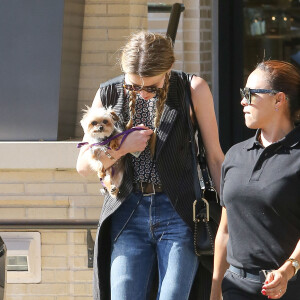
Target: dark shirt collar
291	140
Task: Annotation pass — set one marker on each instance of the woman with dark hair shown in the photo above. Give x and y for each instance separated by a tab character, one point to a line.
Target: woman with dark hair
147	228
259	233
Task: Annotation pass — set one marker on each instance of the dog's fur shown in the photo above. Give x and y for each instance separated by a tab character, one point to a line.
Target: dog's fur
99	124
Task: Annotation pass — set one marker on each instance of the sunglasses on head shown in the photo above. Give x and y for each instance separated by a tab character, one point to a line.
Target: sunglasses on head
139	88
247	92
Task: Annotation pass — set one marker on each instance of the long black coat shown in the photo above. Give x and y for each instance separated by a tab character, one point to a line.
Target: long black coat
174	163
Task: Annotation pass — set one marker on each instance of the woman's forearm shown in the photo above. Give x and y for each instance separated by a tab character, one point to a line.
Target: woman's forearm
83	162
220	263
287	267
214	166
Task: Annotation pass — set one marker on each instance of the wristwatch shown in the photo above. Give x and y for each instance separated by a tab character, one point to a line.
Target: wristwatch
295	264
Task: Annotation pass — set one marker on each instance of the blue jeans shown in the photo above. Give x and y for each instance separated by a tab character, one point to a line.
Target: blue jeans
147	235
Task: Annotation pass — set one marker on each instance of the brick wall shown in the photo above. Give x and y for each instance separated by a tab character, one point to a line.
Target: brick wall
53	194
158	22
36	191
206	40
107	24
65	275
194	41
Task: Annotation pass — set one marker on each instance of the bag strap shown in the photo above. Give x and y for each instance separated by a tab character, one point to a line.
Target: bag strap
197	188
201	150
200	159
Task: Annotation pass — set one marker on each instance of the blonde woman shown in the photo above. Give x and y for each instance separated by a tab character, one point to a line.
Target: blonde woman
147	229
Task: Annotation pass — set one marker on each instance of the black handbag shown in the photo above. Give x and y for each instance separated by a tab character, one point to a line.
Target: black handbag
206	207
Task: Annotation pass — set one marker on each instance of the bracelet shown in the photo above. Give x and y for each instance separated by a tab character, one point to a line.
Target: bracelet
295	264
109	156
104	149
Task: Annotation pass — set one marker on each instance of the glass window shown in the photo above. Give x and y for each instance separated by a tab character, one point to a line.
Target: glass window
271	31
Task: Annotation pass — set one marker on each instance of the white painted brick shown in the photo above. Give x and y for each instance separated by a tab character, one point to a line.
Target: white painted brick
92	9
92	213
106	22
83	289
48	276
83	276
94	188
50	289
11	188
102	45
78	262
94	58
97	71
54	237
25	176
67	176
12	213
32	201
87	200
77	237
54	188
47	250
54	262
47	213
21	288
76	213
118	34
94	34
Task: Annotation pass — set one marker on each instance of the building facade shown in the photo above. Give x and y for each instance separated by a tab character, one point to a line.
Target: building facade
219	40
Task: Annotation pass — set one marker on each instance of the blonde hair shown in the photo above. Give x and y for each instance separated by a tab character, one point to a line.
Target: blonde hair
148	54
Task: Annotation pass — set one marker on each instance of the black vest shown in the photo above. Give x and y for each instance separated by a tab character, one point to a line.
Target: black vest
173	153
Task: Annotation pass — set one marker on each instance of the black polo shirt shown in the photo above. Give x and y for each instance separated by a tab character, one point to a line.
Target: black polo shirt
260	189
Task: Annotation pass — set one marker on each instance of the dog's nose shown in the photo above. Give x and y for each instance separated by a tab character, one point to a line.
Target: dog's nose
100	128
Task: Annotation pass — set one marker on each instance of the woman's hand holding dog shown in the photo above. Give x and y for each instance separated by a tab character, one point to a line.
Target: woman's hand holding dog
136	140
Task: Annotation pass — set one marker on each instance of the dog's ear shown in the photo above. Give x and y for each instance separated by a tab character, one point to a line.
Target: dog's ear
87	108
85	111
114	116
83	121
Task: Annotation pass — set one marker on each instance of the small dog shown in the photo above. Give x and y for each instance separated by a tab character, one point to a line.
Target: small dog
98	125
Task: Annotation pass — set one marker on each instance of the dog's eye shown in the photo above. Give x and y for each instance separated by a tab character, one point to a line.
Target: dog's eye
94	123
104	121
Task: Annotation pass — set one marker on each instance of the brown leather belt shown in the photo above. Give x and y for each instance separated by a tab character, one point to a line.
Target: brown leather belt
147	188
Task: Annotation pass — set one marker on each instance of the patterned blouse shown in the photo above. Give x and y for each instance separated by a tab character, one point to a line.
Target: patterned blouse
144	114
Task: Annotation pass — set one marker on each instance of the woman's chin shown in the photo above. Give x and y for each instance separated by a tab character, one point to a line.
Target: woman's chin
250	124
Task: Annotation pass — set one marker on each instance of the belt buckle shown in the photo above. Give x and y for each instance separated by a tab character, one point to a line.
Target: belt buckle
147	194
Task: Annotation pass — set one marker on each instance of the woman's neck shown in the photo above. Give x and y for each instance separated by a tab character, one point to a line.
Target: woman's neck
273	134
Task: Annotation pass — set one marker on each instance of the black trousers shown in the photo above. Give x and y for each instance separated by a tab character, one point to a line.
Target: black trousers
236	287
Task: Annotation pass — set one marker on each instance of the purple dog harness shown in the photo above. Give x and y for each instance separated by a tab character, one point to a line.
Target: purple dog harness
107	141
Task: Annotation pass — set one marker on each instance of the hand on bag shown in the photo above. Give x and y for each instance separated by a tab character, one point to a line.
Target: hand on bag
275	285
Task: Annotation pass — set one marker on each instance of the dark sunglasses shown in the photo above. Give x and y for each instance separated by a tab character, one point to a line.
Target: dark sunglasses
138	88
247	92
